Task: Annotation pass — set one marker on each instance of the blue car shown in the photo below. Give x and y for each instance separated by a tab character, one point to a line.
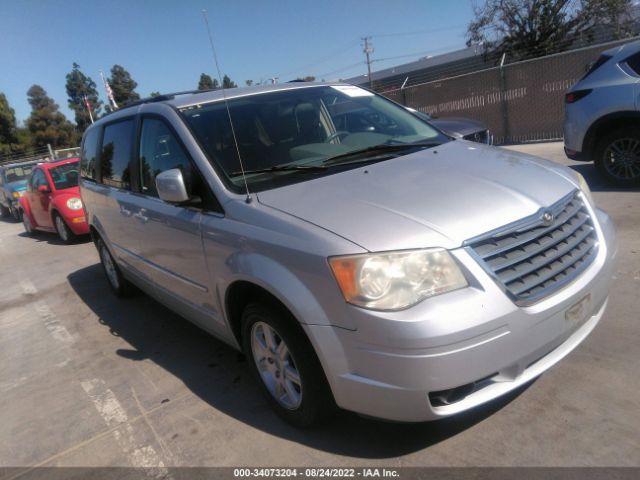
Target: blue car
13	183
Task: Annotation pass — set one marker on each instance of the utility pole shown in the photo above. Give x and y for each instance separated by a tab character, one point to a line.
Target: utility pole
368	50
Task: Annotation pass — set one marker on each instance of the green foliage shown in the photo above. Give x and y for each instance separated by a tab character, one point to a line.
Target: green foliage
248	83
46	124
308	78
228	83
80	86
9	140
123	86
155	94
531	28
207	83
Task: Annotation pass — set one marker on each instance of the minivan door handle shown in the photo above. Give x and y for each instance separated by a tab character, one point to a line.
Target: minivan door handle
140	216
124	211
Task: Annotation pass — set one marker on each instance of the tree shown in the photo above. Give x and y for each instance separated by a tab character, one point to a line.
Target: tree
46	124
123	86
207	83
155	94
8	128
228	83
530	28
308	78
248	83
79	88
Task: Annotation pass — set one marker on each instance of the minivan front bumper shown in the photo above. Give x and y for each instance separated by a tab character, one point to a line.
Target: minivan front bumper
456	351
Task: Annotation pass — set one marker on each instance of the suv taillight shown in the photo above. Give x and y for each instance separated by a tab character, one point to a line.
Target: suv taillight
573	97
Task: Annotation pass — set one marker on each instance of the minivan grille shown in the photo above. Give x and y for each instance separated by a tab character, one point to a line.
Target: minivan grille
540	254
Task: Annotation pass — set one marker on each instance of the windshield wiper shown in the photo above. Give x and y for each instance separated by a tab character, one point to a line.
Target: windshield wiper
282	168
376	149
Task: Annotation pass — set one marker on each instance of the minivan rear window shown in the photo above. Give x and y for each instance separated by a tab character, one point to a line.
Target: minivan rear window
115	156
89	154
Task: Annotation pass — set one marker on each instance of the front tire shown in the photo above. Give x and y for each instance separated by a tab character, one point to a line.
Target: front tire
119	285
64	232
283	361
617	156
4	211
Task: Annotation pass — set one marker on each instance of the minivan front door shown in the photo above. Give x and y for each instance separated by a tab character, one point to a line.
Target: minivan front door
169	236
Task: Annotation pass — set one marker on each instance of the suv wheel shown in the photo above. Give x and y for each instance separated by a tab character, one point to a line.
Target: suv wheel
64	232
120	285
617	156
283	361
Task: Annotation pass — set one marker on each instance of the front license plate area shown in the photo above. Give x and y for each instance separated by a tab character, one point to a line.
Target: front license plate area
577	314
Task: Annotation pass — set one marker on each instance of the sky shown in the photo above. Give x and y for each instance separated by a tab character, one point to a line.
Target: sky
165	47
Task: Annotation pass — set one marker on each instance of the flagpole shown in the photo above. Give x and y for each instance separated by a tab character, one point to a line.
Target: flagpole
88	105
107	88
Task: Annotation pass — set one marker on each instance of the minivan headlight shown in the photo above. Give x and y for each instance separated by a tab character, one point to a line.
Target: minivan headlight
584	186
396	280
74	204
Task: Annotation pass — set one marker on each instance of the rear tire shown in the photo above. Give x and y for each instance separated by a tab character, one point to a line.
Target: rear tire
4	211
286	365
26	223
16	213
64	232
119	285
617	156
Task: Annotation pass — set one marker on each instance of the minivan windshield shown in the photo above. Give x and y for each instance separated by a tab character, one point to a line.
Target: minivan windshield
289	136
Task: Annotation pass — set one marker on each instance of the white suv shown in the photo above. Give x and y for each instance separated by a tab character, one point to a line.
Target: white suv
602	120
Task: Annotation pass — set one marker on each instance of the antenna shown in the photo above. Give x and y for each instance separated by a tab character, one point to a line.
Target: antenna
226	104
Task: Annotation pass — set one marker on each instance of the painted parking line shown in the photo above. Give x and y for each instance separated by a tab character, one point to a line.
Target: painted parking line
114	415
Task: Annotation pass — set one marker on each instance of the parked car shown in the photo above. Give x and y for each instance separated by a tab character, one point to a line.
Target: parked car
463	128
13	182
392	272
52	200
602	115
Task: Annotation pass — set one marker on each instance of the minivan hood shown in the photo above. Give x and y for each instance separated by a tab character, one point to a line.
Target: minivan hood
433	198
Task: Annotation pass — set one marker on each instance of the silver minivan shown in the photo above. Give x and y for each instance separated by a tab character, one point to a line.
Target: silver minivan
359	257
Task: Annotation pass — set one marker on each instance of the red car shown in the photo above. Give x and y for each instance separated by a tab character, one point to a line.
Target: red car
52	201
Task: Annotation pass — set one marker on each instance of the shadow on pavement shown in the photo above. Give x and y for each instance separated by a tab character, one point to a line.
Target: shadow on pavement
595	180
219	375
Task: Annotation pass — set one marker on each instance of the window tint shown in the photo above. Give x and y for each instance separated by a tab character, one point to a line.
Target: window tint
160	151
634	62
116	154
89	154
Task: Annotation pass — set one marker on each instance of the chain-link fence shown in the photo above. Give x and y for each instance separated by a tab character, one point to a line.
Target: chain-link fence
519	102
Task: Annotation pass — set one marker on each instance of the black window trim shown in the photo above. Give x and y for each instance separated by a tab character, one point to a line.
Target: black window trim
215	206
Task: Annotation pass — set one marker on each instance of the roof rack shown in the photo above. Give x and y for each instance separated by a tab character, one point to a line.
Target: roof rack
161	98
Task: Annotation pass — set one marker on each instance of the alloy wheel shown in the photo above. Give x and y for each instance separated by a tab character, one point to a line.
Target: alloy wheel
276	365
62	228
622	158
109	267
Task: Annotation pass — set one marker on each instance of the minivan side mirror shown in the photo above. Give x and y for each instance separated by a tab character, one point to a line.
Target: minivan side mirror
170	186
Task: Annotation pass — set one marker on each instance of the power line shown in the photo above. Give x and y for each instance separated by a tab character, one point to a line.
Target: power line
342	69
323	59
418	32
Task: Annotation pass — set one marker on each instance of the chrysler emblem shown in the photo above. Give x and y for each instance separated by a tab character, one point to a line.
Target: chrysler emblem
547	218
